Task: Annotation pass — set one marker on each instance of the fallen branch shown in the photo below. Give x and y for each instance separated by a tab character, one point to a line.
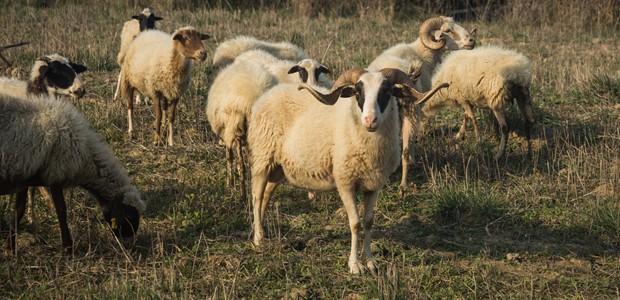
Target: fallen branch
10	46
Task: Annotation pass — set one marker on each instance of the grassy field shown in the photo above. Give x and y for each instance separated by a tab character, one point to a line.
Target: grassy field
543	228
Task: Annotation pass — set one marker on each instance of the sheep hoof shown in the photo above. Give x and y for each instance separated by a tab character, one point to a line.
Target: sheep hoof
372	268
356	268
311	196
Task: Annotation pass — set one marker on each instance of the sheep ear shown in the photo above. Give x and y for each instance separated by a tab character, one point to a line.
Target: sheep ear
204	36
158	18
179	37
473	31
294	69
78	68
437	34
136	17
43	69
347	92
324	69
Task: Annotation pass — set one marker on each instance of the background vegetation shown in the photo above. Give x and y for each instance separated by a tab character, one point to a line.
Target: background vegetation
546	227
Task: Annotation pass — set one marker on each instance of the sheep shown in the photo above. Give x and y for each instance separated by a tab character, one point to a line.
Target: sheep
236	88
487	77
49	143
227	51
158	65
437	35
51	74
347	145
144	21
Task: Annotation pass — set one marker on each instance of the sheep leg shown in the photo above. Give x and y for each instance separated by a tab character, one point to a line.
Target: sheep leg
118	85
269	189
158	107
10	247
406	155
370	198
348	199
259	182
30	205
241	170
61	213
462	130
501	119
525	107
129	97
171	116
230	179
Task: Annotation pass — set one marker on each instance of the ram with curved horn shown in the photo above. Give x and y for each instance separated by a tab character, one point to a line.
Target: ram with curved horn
420	58
336	143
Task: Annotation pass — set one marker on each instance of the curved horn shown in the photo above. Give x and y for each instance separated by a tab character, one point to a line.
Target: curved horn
346	79
349	77
430	93
329	99
398	77
426	33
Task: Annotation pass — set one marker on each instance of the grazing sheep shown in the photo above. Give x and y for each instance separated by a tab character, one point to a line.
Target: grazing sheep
158	65
144	21
227	51
236	88
486	77
50	75
437	35
49	143
348	145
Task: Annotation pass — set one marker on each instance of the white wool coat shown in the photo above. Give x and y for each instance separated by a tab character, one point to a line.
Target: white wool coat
321	147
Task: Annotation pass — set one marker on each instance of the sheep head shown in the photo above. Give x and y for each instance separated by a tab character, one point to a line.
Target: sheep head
309	71
437	33
123	214
56	75
188	41
373	91
147	19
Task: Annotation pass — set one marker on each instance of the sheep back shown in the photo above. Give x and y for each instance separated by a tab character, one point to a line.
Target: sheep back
231	97
13	87
130	31
230	49
483	76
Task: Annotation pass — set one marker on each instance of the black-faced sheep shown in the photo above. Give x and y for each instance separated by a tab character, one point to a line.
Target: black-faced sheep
351	146
158	65
49	143
437	35
227	51
144	21
487	77
50	75
236	88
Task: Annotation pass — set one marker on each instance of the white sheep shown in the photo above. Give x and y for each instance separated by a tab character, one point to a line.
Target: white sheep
144	21
350	147
50	75
437	35
236	88
487	77
227	51
49	143
158	65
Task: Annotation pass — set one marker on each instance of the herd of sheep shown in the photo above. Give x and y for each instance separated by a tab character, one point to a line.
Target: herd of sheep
270	102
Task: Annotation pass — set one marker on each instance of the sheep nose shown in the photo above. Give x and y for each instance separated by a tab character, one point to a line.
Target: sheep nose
78	90
203	55
370	122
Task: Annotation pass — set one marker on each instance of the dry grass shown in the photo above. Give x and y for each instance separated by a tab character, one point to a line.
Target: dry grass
548	227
